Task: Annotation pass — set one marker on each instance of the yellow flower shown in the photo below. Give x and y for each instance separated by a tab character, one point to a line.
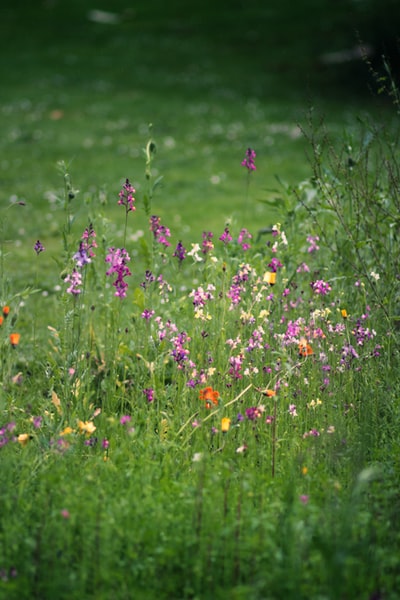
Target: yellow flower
23	438
225	424
67	431
304	470
270	277
344	314
86	427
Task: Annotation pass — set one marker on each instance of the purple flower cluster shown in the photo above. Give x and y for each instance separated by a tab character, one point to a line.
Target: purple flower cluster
275	264
362	334
5	434
148	279
320	287
253	413
248	160
126	196
118	259
207	243
312	240
82	257
180	252
235	369
179	353
75	281
38	247
161	233
201	296
89	241
226	236
243	236
149	393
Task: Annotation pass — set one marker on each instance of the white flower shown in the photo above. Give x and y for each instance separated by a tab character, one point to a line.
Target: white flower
374	275
194	253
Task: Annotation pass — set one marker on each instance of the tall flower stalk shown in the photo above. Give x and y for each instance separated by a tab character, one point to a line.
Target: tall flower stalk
127	200
249	164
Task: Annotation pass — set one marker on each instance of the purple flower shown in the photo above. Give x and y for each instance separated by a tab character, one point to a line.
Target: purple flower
81	257
89	240
91	442
147	314
148	279
244	235
312	240
180	252
207	243
38	247
37	422
149	393
226	236
253	413
275	264
320	287
179	353
105	444
75	279
126	197
248	160
125	419
118	259
161	233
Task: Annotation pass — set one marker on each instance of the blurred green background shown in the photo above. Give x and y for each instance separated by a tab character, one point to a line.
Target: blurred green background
81	80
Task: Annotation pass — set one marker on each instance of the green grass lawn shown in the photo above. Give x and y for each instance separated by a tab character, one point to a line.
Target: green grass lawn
212	81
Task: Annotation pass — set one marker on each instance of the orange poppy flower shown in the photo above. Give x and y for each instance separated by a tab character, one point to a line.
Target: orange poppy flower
1	320
209	396
14	339
305	348
6	310
344	314
267	392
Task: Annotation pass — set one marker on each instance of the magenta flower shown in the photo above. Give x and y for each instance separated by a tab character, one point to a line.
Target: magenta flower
248	160
320	287
226	236
118	259
125	419
275	264
89	240
126	197
75	279
147	314
243	236
161	233
312	240
149	393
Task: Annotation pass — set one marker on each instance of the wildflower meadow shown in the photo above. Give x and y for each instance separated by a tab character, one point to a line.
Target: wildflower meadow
207	418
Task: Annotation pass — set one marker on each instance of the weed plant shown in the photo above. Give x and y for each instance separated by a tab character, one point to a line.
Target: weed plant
207	420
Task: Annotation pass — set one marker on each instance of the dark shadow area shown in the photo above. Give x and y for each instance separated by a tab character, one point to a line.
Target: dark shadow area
263	48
